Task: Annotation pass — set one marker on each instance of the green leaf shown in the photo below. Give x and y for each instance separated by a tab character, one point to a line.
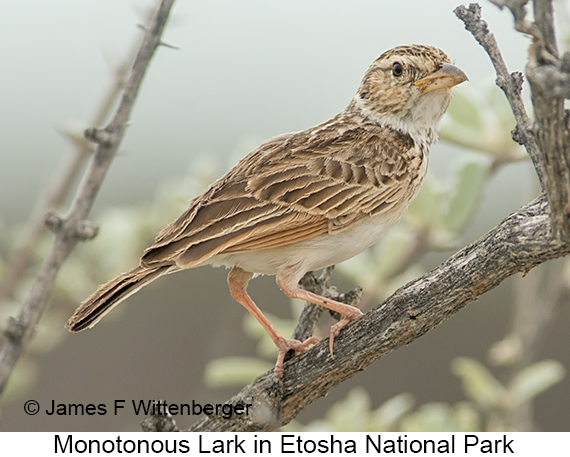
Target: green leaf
26	374
499	106
478	382
234	371
426	209
431	417
465	194
535	379
466	418
351	414
390	251
386	416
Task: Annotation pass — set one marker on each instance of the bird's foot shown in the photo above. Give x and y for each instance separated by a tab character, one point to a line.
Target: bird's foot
336	328
285	345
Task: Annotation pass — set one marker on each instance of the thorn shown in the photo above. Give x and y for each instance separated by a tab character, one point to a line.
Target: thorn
143	27
168	45
74	136
160	43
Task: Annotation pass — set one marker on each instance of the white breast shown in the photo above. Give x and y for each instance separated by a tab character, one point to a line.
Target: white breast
314	253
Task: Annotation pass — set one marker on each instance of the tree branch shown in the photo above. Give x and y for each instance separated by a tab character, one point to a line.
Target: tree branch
522	241
548	141
552	120
543	19
18	331
518	8
510	83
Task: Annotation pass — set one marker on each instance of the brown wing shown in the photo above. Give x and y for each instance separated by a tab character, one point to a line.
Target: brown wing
292	188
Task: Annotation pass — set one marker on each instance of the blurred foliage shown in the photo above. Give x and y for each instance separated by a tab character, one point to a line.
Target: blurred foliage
482	123
355	414
234	371
485	408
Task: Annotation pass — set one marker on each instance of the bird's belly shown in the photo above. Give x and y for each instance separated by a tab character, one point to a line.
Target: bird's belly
313	253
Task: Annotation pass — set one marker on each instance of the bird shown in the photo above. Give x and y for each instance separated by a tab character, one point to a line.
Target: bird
307	200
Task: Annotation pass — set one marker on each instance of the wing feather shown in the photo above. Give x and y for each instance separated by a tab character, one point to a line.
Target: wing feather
292	188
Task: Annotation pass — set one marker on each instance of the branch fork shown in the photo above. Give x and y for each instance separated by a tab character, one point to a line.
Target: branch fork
547	139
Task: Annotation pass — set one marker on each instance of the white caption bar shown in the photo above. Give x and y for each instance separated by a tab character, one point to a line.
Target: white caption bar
471	444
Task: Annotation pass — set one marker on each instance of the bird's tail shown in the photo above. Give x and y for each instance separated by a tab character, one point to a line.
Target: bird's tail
111	294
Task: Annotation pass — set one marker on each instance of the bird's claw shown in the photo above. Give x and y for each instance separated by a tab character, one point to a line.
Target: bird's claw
285	345
336	328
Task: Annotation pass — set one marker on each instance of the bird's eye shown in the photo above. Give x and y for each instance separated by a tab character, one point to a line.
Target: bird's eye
397	69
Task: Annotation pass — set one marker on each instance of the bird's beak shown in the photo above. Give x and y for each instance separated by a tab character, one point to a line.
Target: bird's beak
446	77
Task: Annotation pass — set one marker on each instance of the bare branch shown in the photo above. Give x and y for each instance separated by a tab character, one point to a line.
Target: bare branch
552	120
163	422
518	9
310	315
550	79
522	241
67	234
510	84
548	142
543	18
161	43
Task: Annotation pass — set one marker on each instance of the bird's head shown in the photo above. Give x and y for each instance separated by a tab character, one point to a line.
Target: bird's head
408	88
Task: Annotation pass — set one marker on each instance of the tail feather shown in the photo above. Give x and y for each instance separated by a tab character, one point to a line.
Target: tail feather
111	294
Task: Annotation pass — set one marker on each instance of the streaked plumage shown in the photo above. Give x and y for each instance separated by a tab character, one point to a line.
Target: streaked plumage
306	200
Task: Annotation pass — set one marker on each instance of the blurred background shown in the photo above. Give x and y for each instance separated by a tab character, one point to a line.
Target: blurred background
242	73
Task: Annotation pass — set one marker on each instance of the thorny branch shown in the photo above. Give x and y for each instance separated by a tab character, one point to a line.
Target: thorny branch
18	331
56	192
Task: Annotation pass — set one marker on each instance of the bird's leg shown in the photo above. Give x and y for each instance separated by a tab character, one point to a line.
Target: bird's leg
349	313
237	281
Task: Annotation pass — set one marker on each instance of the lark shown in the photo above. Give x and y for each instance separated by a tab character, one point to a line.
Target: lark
306	200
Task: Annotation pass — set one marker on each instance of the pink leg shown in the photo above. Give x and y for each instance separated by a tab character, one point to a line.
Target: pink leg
237	281
349	313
